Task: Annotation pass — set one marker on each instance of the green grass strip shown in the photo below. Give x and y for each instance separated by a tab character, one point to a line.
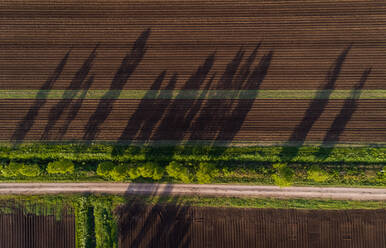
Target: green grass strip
212	143
193	94
274	154
244	202
232	202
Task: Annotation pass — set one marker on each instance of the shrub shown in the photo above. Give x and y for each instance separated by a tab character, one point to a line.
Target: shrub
149	170
61	167
178	171
109	170
104	169
283	176
226	172
317	174
381	175
206	172
11	170
119	172
134	173
146	170
30	170
158	173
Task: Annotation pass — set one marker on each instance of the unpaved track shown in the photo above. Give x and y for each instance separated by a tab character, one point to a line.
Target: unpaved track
196	189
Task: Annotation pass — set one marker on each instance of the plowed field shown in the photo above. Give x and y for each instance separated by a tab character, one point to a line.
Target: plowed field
189	45
266	120
171	226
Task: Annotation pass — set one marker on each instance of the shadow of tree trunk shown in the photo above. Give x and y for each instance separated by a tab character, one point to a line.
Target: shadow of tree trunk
127	67
26	124
75	107
315	109
71	91
340	122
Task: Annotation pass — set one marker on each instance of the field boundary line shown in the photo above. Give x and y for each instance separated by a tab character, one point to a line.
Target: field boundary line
224	143
194	94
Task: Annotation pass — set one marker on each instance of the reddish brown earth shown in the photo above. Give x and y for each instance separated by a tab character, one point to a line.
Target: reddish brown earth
193	45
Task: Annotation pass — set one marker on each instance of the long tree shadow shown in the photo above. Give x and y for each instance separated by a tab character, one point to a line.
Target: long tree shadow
147	110
178	117
153	116
26	124
348	109
156	111
154	225
237	116
142	118
75	107
68	95
173	119
315	109
220	120
203	125
237	85
127	67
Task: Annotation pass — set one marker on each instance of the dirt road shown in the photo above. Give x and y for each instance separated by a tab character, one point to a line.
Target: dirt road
196	189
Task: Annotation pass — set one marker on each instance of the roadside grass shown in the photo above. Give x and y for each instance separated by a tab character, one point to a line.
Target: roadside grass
94	153
244	202
41	205
112	201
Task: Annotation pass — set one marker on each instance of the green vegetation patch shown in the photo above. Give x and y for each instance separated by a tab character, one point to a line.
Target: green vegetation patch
39	205
243	202
284	166
193	94
123	153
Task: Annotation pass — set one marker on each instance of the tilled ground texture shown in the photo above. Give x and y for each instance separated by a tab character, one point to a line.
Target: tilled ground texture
192	45
19	229
182	226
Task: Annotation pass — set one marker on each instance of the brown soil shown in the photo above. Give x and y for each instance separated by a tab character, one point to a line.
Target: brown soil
247	45
265	120
305	37
173	226
19	230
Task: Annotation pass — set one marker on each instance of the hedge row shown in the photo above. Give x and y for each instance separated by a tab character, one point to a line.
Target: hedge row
84	222
281	174
106	227
15	169
201	172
